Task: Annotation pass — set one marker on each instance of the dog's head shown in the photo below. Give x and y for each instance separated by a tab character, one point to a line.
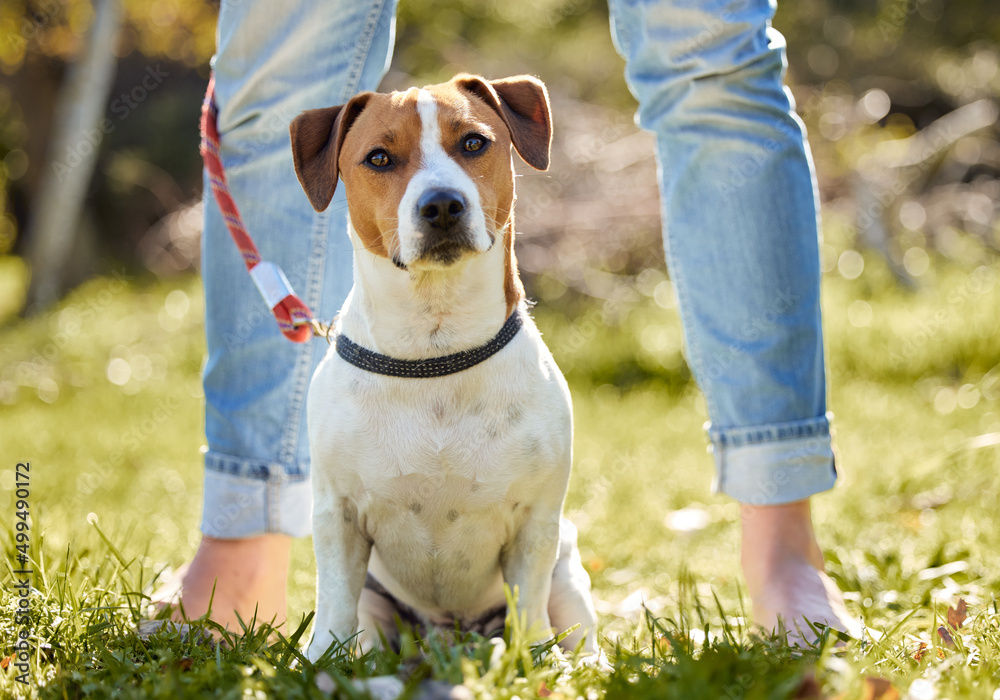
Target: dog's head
428	171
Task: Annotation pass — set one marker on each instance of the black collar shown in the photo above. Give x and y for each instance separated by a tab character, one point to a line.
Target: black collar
431	367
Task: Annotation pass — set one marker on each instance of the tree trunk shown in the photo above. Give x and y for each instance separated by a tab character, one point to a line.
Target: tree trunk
77	137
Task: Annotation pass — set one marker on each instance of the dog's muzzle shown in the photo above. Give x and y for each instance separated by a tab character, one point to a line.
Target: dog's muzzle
443	221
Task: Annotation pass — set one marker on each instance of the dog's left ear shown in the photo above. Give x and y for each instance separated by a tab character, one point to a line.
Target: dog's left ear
523	104
317	135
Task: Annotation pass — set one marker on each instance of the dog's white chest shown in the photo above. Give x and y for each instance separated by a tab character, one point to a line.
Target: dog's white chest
442	472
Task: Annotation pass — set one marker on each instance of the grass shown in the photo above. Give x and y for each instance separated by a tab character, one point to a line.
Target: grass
102	396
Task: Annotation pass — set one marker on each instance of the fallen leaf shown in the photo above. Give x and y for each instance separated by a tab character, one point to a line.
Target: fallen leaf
808	688
945	635
874	688
957	615
5	662
878	689
543	690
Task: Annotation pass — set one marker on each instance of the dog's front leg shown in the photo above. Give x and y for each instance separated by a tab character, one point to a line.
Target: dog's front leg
528	562
342	553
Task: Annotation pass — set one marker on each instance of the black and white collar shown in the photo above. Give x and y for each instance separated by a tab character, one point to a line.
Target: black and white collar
375	362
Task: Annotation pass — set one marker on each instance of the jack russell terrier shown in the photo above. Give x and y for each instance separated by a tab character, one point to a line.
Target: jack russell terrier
440	428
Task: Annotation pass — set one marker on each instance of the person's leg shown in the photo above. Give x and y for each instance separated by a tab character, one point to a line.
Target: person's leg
274	60
740	233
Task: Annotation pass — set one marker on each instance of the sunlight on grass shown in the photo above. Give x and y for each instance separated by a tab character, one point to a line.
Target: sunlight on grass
13	283
102	396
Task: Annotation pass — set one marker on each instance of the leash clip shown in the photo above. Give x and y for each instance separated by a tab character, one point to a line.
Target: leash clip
321	330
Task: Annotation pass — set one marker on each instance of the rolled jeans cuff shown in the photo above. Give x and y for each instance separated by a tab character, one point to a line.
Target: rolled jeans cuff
773	464
246	498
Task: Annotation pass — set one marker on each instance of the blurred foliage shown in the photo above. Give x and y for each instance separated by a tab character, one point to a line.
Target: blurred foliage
178	30
567	43
103	395
864	72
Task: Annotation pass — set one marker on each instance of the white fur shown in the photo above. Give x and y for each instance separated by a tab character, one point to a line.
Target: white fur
436	170
444	488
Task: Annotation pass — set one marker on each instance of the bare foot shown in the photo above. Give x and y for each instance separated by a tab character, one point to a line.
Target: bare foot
248	575
783	566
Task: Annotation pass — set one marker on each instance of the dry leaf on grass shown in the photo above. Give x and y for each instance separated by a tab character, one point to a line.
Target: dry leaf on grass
879	689
808	688
957	615
874	688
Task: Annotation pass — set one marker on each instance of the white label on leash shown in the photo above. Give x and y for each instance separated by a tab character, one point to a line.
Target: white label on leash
271	282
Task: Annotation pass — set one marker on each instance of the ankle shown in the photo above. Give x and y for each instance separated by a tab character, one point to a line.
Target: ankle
777	535
244	577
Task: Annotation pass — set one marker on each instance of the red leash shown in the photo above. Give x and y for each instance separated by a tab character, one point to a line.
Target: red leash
294	317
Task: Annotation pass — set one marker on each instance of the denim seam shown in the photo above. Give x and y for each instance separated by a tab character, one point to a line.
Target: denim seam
779	432
248	468
819	477
364	50
721	470
318	259
303	362
680	282
317	262
289	440
273	523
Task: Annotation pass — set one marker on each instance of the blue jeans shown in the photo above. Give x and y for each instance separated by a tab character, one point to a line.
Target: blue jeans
739	221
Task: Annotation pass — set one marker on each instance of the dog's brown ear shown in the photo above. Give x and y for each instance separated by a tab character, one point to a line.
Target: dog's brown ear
523	104
317	135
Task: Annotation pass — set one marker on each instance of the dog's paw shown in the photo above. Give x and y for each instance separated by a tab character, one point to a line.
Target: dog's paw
381	687
378	688
598	662
318	646
391	688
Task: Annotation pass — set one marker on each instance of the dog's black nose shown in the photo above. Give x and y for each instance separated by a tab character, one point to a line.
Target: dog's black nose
441	208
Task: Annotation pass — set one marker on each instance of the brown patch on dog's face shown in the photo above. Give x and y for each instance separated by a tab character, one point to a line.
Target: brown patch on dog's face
374	144
389	127
389	130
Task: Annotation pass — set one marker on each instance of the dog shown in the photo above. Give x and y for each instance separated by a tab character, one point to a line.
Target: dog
440	428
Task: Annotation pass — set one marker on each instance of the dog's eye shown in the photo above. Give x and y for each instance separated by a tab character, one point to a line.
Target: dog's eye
378	158
474	143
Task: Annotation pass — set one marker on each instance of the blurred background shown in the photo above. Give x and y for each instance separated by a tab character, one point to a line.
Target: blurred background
101	309
99	168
